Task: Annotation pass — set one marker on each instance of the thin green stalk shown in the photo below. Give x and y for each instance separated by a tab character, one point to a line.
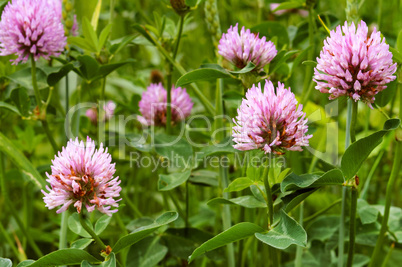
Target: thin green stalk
63	230
310	53
386	260
187	206
176	204
49	135
375	259
299	249
270	214
90	231
223	170
353	122
35	85
352	230
354	192
270	203
42	109
363	193
131	205
352	11
341	240
112	2
379	6
324	210
169	77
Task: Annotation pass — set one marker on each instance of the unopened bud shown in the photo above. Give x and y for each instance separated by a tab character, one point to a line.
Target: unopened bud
180	7
156	76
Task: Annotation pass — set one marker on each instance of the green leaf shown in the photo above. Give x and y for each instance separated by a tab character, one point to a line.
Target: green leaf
146	253
281	58
295	182
225	147
358	152
299	58
269	29
323	228
81	243
102	223
177	150
385	96
399	42
233	234
69	256
250	202
250	66
117	47
168	182
89	34
89	67
286	233
310	63
22	101
21	161
191	3
81	43
367	213
144	32
76	227
291	201
9	107
142	232
201	75
109	262
396	56
5	262
105	70
25	263
181	242
24	78
103	37
239	184
58	73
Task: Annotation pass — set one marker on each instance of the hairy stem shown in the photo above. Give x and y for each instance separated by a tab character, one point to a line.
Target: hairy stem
352	229
341	240
90	231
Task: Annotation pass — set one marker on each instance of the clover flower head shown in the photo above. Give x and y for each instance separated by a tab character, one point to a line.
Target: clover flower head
83	176
32	27
354	64
240	49
153	105
270	121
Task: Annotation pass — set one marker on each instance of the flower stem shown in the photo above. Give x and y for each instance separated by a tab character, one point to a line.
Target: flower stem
352	230
341	240
353	122
90	231
352	11
169	77
35	85
270	204
270	214
223	170
310	53
299	249
354	192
